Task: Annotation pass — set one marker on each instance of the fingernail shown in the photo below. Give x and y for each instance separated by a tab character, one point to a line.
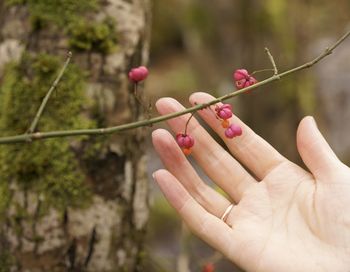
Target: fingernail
313	121
154	176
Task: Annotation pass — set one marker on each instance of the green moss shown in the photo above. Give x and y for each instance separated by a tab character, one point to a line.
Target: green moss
93	36
69	15
47	167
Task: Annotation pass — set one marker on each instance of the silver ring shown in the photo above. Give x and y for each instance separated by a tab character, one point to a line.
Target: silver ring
226	213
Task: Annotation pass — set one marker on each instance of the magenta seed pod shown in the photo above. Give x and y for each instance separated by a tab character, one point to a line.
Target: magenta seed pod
138	74
242	79
184	140
224	111
233	131
240	74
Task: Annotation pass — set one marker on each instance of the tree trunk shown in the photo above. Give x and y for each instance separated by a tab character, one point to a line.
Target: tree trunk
106	232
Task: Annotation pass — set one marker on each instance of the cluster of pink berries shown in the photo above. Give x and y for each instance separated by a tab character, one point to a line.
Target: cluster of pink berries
224	112
242	80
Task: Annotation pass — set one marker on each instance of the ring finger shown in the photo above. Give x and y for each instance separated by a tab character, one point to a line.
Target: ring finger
176	163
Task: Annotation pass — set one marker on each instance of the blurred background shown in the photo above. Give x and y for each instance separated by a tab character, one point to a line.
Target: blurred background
89	203
196	46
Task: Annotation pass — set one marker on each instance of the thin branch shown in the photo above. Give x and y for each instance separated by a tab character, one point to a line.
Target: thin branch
272	60
260	71
142	123
48	95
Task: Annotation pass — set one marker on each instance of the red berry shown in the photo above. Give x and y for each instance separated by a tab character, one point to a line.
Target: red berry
233	131
184	140
242	79
209	267
224	111
138	74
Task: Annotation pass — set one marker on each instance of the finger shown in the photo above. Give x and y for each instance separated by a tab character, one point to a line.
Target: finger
208	227
176	162
314	149
217	163
249	148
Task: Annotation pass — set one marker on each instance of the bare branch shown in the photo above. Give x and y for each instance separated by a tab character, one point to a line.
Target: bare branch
48	95
272	60
142	123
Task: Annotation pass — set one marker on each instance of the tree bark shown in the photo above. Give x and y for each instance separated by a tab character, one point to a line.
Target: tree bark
108	234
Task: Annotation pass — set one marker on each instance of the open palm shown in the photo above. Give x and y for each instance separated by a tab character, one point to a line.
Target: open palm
284	218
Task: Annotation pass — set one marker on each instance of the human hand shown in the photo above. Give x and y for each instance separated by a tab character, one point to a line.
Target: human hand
284	218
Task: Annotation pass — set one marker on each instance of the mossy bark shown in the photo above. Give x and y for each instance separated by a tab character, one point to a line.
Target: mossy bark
45	223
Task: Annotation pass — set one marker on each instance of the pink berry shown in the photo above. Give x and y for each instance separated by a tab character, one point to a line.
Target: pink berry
184	140
138	74
240	74
243	79
224	111
233	131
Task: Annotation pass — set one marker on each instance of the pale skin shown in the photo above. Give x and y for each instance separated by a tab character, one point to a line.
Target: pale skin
285	218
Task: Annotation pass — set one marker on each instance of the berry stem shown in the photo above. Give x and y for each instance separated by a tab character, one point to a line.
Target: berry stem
135	88
188	121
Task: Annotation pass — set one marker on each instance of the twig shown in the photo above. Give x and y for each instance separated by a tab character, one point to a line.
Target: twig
100	131
262	70
48	95
272	61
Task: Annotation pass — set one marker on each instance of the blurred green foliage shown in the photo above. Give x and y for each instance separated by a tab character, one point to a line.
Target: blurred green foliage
47	167
166	28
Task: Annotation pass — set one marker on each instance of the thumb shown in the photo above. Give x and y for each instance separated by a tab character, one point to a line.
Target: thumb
314	149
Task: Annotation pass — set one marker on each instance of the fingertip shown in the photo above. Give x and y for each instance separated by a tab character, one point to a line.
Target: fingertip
197	97
160	134
158	175
162	139
171	188
307	123
163	104
308	133
314	149
161	100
